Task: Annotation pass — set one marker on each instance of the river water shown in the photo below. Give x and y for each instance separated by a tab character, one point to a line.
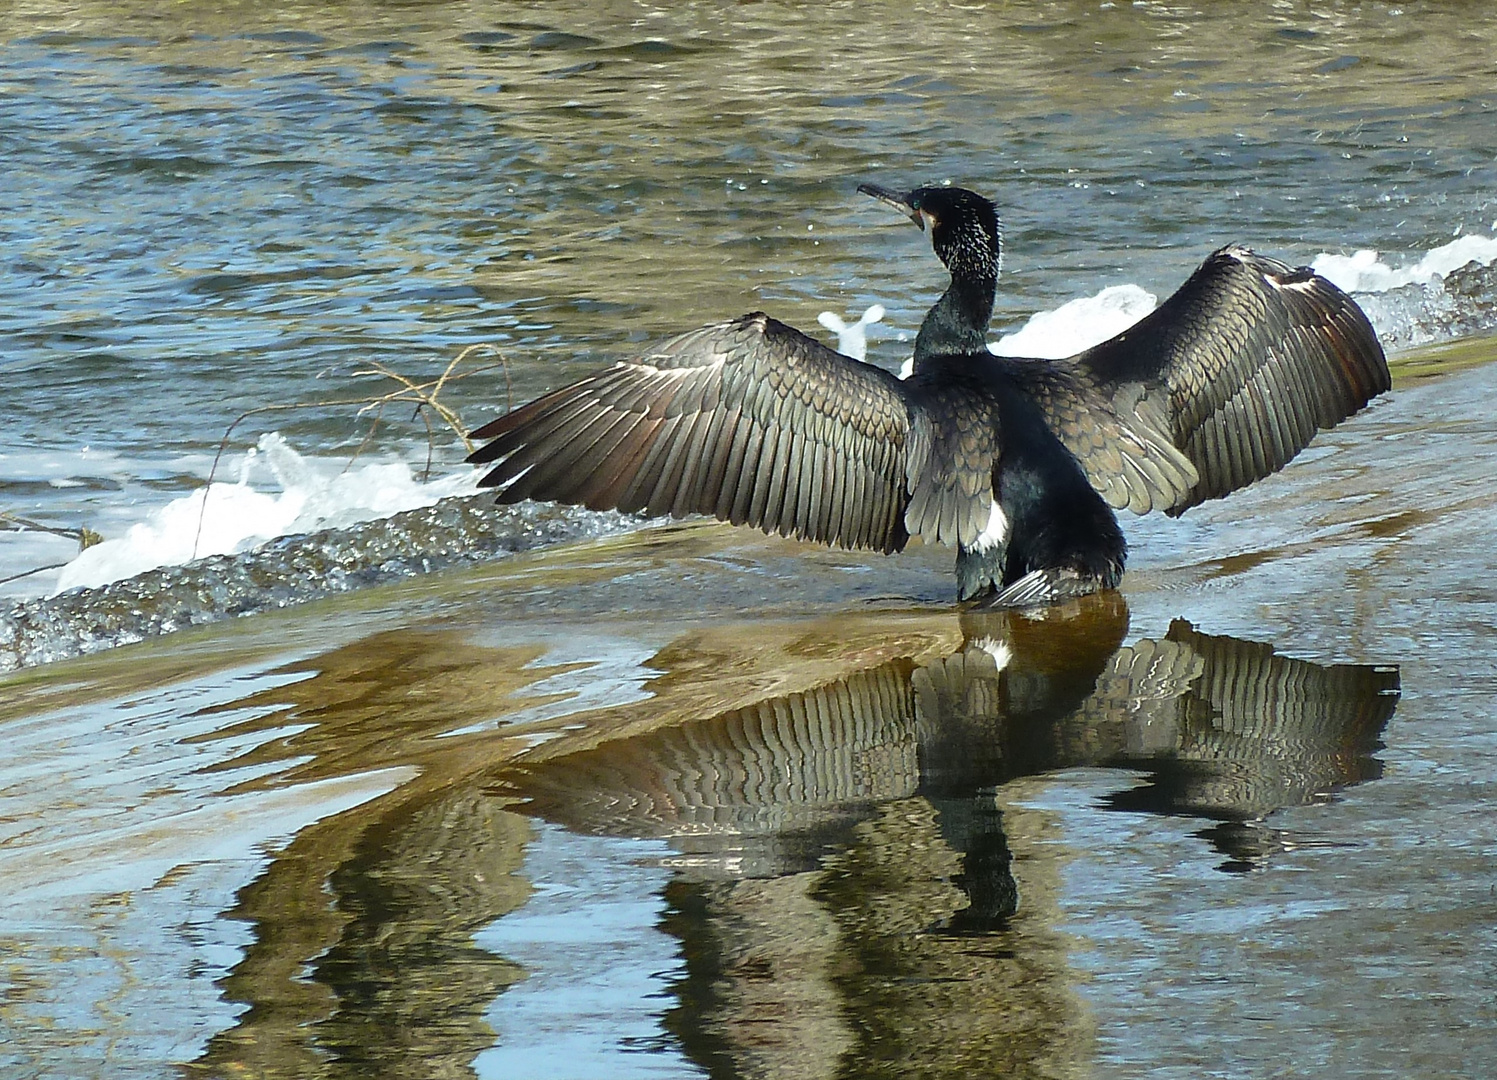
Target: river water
689	801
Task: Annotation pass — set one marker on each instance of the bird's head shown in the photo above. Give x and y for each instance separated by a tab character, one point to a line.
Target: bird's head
964	226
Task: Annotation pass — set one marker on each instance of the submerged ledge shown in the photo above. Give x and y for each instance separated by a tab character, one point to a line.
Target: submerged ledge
289	570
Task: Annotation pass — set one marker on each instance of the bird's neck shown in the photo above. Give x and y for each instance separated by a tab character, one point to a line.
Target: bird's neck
959	321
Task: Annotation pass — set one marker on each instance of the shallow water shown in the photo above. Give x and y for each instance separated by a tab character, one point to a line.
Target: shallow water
689	801
695	801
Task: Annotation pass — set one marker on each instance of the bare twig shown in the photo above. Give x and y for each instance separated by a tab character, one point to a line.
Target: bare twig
28	573
379	414
426	419
85	536
37	526
423	394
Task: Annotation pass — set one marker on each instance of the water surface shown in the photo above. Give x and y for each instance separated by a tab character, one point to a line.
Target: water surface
225	208
691	801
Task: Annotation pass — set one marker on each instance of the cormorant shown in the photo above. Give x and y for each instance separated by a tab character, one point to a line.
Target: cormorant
1018	463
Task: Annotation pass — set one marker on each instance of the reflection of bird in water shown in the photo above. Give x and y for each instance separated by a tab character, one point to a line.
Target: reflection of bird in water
1017	463
845	891
1231	729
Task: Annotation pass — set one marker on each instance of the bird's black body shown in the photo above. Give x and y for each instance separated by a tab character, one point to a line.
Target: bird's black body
1057	521
1017	463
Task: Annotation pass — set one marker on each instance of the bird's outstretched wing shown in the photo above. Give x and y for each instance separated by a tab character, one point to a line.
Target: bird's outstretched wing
1118	432
1219	386
748	420
1253	357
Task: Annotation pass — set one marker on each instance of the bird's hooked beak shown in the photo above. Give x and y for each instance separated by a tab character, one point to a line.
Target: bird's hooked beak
899	202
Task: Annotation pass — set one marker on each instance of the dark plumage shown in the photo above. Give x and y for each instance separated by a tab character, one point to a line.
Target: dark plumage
1017	463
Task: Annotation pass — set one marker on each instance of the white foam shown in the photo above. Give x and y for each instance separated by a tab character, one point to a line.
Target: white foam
852	338
1078	324
1087	321
1365	272
1075	325
229	517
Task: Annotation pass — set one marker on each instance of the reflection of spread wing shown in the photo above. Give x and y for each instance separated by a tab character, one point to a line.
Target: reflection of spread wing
1254	356
1230	729
749	421
1140	701
1256	730
739	789
1252	691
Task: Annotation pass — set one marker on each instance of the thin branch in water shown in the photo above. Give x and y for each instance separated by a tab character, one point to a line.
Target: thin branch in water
430	440
28	573
85	536
379	414
423	394
27	524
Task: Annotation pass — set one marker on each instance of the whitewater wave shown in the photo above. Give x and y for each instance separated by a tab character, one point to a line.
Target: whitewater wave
224	518
1449	292
1365	271
1078	324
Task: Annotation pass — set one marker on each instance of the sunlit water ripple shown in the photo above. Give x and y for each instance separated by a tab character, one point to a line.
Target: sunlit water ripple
299	845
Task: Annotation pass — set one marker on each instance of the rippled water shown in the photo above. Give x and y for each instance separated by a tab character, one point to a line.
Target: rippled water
226	208
689	801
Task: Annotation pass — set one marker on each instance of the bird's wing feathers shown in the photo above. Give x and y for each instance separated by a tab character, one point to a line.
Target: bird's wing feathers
1118	433
1254	356
748	420
954	441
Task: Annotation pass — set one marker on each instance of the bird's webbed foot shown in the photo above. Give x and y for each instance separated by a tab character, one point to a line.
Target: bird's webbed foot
1046	586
